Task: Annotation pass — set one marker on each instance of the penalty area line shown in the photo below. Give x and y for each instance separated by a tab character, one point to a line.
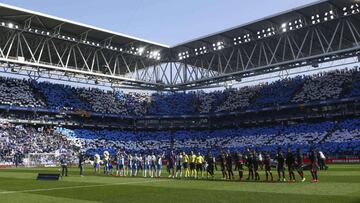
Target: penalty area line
79	186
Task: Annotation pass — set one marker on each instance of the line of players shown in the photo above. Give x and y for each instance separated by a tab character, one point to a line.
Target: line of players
194	165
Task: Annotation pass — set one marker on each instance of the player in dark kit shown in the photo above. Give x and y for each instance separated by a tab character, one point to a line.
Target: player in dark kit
81	162
171	164
290	162
299	163
250	165
223	165
239	165
280	165
314	165
211	165
267	164
255	162
229	166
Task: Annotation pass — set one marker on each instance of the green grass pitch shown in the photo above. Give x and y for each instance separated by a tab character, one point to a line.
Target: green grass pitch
341	183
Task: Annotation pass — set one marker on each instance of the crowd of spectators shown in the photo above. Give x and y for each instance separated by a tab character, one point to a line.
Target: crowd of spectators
278	93
172	103
324	86
18	93
97	141
60	96
238	100
334	138
298	90
30	139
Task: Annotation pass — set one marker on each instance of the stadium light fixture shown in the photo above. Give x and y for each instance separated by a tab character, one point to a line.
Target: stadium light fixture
267	32
218	46
183	55
10	25
141	50
353	9
242	39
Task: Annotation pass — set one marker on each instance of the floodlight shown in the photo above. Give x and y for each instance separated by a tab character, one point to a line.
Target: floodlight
10	25
283	25
141	50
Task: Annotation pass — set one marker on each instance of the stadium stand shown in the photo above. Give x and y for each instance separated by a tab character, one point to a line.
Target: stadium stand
297	90
18	93
60	96
335	137
324	86
331	137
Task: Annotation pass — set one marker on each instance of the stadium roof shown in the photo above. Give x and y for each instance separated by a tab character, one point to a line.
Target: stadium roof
276	19
49	22
326	30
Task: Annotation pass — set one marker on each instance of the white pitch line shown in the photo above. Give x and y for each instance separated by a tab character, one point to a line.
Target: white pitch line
79	186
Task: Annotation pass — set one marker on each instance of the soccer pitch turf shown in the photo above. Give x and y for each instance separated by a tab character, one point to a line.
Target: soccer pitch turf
341	183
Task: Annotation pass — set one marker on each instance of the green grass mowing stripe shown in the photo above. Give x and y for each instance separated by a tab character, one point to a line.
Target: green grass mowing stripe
36	198
341	183
131	193
79	186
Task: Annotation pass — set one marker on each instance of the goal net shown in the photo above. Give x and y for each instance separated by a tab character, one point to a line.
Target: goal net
42	160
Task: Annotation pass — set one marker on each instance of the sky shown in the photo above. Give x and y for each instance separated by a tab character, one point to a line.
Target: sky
168	22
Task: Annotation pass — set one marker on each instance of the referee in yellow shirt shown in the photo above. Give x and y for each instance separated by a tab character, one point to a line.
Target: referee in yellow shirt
186	164
199	165
192	164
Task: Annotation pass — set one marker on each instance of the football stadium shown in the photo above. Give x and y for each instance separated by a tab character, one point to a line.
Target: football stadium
267	111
